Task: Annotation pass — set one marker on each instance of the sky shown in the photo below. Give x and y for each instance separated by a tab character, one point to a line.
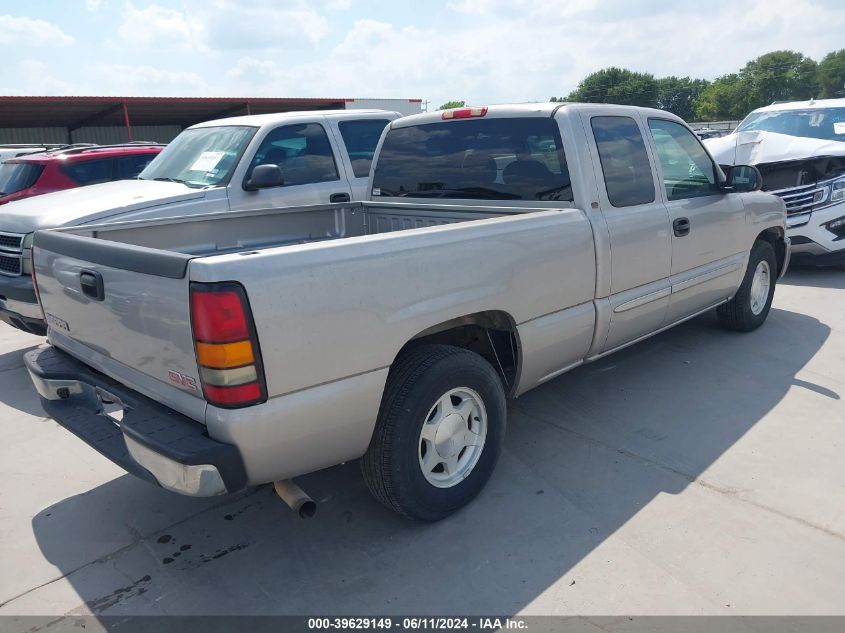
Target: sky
481	51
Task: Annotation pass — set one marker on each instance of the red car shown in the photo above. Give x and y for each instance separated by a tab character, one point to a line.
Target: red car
55	170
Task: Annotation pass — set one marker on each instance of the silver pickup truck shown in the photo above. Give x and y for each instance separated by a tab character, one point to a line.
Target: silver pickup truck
501	247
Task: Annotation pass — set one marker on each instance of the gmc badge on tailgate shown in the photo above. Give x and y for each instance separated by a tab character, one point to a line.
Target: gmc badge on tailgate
181	380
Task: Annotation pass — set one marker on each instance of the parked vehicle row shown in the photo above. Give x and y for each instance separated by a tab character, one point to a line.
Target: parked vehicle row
250	162
495	249
36	173
799	148
706	132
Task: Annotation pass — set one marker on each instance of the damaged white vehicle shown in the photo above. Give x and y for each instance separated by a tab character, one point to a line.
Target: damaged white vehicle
799	148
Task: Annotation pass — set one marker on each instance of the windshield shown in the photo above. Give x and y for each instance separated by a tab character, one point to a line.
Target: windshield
16	177
822	123
482	159
200	157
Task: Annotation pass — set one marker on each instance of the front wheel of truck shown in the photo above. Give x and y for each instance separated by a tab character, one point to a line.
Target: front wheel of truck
750	305
439	432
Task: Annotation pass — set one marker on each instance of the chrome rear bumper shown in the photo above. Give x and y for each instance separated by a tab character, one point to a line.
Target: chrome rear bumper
140	435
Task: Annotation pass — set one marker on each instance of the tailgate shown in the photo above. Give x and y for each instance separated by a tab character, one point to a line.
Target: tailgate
123	310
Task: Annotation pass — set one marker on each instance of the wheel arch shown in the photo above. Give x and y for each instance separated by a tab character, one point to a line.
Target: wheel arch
774	235
491	334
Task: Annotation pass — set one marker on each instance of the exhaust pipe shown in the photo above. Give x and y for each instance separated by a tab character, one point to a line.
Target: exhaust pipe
296	498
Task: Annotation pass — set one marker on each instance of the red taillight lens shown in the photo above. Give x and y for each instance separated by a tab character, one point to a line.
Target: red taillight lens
226	345
218	316
250	393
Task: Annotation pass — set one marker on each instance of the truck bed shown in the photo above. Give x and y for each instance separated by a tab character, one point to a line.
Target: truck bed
335	292
230	232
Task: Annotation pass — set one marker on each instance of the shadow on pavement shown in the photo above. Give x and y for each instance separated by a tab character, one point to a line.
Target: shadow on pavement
18	392
815	277
584	454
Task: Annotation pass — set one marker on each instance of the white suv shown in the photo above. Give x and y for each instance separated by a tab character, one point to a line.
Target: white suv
799	148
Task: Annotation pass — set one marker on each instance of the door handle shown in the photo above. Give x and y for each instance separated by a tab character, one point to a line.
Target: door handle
91	283
681	227
339	197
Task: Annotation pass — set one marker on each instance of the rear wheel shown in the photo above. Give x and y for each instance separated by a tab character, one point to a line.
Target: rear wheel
750	305
439	432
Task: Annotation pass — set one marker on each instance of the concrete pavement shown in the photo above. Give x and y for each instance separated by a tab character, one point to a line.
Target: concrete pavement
699	472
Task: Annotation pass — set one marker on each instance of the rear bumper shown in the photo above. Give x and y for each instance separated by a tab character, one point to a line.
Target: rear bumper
19	306
151	441
22	322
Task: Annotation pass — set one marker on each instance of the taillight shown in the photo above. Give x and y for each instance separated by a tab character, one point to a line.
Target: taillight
226	345
464	113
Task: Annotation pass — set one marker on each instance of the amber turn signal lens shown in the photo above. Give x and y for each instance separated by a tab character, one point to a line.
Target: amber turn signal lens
224	355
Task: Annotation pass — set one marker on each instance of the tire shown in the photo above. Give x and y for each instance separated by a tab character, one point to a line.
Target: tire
397	466
747	311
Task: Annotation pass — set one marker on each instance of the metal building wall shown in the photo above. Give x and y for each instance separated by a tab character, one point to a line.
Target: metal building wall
402	106
113	135
33	135
101	135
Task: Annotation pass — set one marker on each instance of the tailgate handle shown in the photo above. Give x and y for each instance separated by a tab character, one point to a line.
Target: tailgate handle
91	283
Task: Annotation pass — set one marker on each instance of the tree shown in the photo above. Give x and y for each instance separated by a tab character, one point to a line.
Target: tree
831	74
679	95
779	76
452	104
725	98
616	85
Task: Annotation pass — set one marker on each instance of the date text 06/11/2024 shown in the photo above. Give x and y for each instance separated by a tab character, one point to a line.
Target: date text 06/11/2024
418	623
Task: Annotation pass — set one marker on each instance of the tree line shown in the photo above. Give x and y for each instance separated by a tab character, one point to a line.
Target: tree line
775	76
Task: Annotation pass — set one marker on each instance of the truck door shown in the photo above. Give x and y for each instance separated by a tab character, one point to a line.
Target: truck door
637	224
708	256
306	154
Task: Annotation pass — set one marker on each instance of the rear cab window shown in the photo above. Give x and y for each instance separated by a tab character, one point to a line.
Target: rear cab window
361	138
628	178
514	158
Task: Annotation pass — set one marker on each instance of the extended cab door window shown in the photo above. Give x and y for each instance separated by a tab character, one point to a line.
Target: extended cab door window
624	160
688	171
360	138
302	151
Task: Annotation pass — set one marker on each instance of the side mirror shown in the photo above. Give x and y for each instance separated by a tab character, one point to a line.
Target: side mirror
743	178
264	177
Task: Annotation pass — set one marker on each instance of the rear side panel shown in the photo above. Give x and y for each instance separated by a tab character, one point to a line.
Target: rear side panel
332	316
125	312
331	310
